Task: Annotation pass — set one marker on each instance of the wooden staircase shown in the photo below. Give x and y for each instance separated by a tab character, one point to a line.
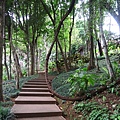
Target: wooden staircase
35	102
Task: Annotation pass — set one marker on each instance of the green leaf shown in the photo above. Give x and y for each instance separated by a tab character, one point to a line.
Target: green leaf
105	69
91	81
118	117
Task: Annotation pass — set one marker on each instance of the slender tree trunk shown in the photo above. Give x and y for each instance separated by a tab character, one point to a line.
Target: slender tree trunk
70	41
96	37
39	58
65	60
16	59
100	47
2	10
32	49
17	65
10	60
28	70
5	62
9	27
92	59
28	49
109	65
56	58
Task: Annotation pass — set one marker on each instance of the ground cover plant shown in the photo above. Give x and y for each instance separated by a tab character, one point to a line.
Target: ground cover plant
103	106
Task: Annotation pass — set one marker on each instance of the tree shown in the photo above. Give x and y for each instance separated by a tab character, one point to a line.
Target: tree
108	63
55	10
55	39
113	7
33	18
91	38
2	19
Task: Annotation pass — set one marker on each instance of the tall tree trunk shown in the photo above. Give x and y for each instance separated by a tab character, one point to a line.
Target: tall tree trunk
10	57
17	65
32	49
39	58
109	65
100	47
2	19
16	59
70	41
10	60
5	62
96	37
28	49
36	58
92	59
65	60
56	58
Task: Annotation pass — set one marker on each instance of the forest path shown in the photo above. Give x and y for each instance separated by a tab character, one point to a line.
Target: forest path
35	102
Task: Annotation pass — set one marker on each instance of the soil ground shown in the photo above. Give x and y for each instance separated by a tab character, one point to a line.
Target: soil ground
107	99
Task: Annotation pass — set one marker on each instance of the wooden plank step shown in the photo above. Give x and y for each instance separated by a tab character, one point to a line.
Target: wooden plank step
34	89
35	94
36	110
35	86
34	100
43	118
36	83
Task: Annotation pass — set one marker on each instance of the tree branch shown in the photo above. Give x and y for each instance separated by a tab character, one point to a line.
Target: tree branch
46	9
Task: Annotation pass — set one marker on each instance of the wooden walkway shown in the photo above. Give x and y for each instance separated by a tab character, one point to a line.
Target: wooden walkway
35	102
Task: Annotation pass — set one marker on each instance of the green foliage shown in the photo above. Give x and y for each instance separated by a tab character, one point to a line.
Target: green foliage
116	114
5	113
83	59
7	104
63	90
52	66
80	81
92	111
116	68
112	48
59	83
99	114
104	77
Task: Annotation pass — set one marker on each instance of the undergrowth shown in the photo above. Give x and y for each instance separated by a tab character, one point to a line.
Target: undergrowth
80	79
94	111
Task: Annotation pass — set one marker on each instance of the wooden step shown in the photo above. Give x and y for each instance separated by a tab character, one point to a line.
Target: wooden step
43	118
35	94
36	110
35	83
34	89
35	86
34	100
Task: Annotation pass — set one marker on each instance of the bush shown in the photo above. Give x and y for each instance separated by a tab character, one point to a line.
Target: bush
5	114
